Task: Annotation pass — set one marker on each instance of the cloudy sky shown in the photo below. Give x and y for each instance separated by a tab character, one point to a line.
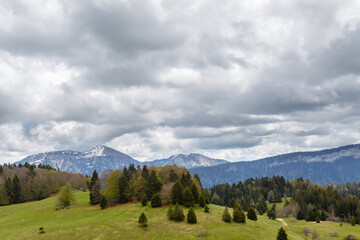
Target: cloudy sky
237	80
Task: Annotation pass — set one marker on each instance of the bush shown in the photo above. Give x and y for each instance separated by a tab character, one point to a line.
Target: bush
352	221
350	237
251	214
41	230
103	202
226	217
191	217
178	213
334	234
207	209
156	201
142	220
144	200
170	212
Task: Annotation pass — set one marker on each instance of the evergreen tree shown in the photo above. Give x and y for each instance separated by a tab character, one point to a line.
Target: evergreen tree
195	192
103	202
322	215
236	215
1	169
132	169
317	219
261	206
170	212
188	197
172	176
186	179
145	172
94	178
352	221
153	185
142	220
226	217
242	216
156	201
177	193
178	213
95	195
206	208
251	214
196	176
232	203
144	200
202	201
9	190
123	189
271	213
16	190
281	234
191	217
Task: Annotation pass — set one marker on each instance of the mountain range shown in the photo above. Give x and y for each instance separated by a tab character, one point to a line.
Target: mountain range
102	157
328	166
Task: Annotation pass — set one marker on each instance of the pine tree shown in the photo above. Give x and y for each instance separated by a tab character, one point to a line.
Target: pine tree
201	201
191	217
352	221
318	219
232	203
195	192
172	176
16	190
156	201
142	220
226	217
153	185
145	172
144	200
9	190
177	193
281	234
242	216
236	215
170	212
251	214
178	213
103	202
123	189
95	192
188	198
94	178
207	209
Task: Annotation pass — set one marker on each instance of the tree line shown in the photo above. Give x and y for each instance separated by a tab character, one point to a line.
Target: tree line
303	199
20	183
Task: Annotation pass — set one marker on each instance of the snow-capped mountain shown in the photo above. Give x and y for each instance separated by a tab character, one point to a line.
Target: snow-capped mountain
99	158
102	157
191	160
335	165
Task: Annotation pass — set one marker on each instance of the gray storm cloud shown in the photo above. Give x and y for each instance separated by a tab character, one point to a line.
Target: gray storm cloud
229	79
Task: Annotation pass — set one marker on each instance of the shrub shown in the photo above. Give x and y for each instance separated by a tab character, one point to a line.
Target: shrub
144	200
350	237
191	217
352	221
178	213
207	209
41	230
334	234
156	201
226	217
251	214
103	202
142	220
170	212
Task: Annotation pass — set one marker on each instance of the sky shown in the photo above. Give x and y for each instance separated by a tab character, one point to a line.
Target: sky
237	80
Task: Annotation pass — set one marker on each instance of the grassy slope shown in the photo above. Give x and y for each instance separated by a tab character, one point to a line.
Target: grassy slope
22	221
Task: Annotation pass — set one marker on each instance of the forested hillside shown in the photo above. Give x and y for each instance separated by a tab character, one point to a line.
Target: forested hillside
26	182
304	199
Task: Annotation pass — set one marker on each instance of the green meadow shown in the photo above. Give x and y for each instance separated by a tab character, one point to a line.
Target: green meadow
82	221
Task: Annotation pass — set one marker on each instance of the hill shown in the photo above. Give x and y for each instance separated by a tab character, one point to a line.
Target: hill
324	167
120	222
102	158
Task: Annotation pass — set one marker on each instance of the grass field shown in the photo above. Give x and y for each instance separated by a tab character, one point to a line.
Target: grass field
82	221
